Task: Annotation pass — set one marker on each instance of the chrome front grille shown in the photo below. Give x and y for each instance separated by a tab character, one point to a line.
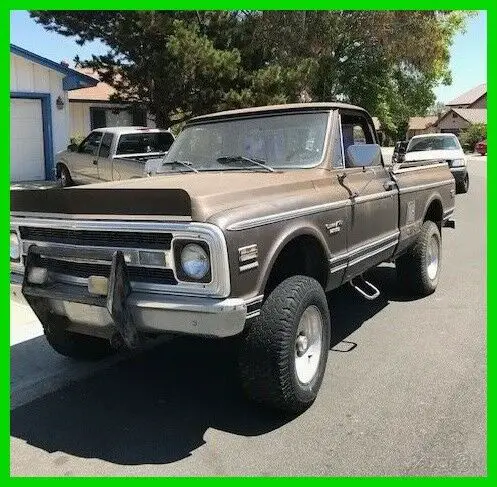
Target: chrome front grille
94	238
84	270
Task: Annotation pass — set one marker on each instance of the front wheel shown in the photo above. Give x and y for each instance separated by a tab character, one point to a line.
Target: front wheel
283	355
419	268
64	178
76	345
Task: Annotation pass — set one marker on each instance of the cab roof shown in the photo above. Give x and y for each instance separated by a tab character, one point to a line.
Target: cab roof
129	130
273	109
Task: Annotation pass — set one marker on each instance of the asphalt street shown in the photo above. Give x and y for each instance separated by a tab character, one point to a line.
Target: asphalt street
404	391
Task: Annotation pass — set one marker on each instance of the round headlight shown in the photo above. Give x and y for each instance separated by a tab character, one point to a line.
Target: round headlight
194	261
15	246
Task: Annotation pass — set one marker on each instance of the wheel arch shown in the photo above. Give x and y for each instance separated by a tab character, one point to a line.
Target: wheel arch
306	243
434	210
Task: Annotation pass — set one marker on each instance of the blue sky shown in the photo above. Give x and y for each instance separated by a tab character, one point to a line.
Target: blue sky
468	53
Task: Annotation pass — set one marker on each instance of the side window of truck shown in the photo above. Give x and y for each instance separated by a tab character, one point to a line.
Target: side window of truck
105	145
91	143
355	130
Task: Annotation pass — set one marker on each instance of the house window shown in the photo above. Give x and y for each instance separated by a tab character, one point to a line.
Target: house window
116	117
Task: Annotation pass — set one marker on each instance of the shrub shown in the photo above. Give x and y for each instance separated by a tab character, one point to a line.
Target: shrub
472	135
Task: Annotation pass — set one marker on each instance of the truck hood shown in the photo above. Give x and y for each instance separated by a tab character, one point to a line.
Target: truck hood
426	155
199	195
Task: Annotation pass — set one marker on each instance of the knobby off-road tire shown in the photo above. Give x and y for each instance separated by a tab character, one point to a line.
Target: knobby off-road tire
419	268
76	345
269	369
463	187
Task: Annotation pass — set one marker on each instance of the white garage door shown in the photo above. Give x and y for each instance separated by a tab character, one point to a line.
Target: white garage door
26	140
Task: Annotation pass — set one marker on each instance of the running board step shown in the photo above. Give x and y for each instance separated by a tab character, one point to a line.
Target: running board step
371	297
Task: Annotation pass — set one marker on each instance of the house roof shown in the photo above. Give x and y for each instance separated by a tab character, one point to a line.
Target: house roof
421	123
472	115
470	96
99	92
73	79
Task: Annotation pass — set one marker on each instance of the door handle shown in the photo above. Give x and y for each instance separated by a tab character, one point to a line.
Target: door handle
389	185
95	162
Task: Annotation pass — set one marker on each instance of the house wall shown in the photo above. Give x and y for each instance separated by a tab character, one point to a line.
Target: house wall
80	121
452	121
29	77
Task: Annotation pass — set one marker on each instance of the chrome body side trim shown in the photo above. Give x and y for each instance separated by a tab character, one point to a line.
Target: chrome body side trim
421	187
372	253
285	215
376	196
419	167
345	255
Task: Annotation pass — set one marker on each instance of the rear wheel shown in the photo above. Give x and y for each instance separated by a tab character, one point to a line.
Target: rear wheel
77	345
419	268
283	355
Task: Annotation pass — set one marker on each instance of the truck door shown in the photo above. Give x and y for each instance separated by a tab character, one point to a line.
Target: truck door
83	164
104	162
372	229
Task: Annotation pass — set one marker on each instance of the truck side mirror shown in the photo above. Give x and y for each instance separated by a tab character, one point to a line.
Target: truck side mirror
364	155
72	147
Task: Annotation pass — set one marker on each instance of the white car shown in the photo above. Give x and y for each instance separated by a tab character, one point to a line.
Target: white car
113	153
440	147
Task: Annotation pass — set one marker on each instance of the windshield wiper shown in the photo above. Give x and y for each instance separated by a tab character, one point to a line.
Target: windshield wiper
256	162
186	164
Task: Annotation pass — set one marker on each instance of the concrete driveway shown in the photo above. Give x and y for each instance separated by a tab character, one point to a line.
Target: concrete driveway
404	391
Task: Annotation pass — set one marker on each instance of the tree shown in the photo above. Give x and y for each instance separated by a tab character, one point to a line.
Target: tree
437	109
183	63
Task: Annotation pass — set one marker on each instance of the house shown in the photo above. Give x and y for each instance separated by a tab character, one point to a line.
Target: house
39	112
474	98
467	109
458	119
91	108
421	125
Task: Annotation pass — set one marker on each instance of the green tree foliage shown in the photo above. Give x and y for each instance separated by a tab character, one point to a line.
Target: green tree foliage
472	135
184	63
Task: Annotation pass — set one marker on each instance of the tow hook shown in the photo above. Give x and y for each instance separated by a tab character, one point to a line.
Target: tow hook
370	297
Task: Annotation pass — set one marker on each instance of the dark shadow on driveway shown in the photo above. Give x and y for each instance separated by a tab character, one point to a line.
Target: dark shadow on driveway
153	408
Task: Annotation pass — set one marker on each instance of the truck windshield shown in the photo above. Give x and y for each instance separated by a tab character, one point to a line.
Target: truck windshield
142	143
280	141
440	142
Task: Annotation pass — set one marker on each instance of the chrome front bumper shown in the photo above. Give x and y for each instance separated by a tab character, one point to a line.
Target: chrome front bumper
152	313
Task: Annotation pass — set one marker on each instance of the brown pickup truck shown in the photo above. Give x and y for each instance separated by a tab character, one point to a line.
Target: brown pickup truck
258	214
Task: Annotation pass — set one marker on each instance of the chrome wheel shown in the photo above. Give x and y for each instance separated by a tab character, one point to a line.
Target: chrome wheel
308	344
432	257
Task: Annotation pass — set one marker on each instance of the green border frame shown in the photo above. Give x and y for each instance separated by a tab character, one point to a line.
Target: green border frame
491	7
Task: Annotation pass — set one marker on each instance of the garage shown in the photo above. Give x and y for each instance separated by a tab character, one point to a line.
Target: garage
39	113
27	160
